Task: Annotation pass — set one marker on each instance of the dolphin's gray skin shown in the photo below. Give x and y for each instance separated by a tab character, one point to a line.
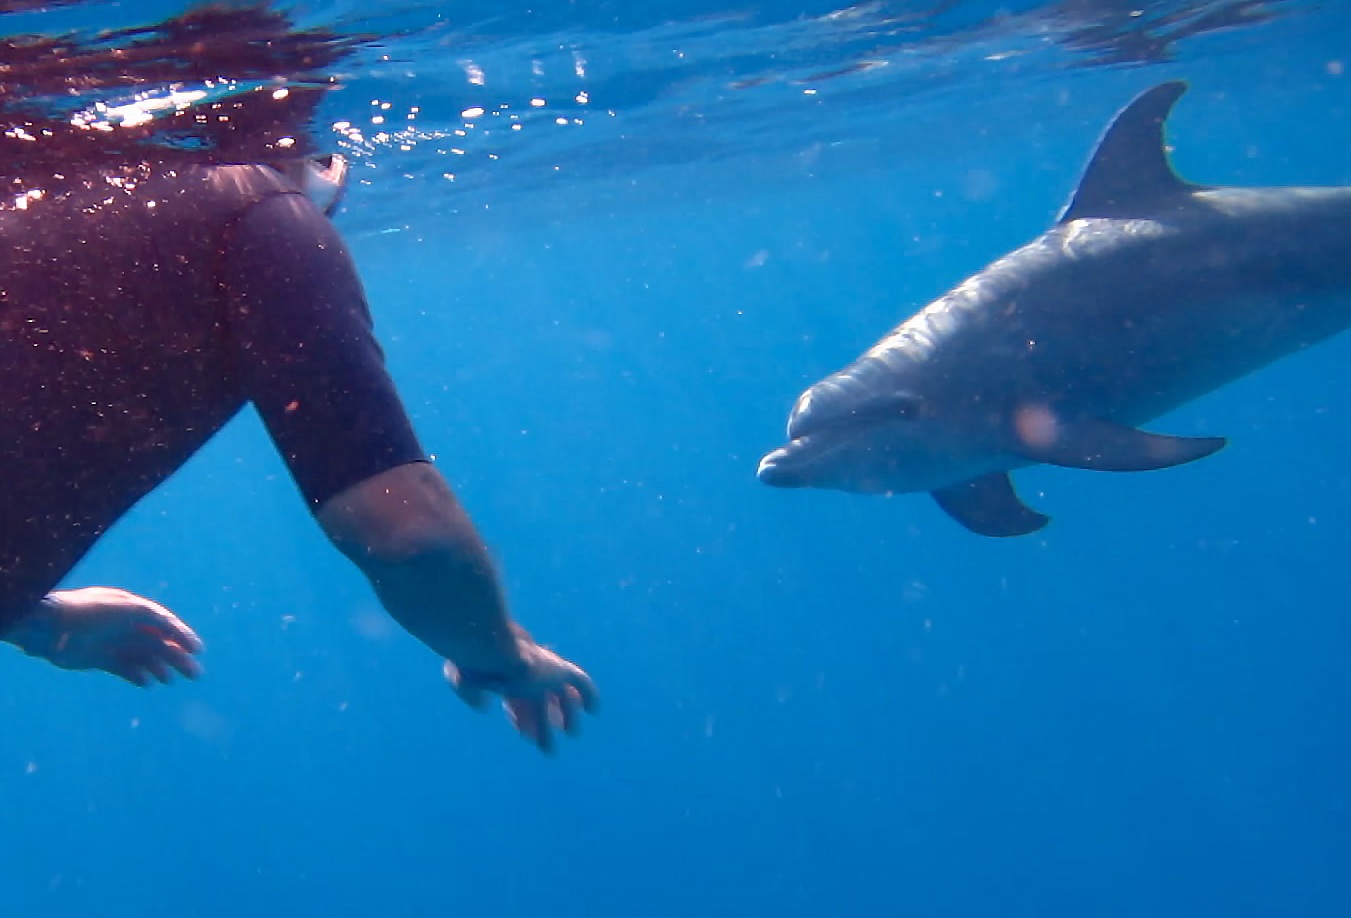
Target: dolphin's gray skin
1147	293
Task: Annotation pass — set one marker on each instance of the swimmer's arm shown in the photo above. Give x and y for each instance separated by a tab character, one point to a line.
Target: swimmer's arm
409	535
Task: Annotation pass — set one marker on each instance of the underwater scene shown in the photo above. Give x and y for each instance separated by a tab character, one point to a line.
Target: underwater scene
911	436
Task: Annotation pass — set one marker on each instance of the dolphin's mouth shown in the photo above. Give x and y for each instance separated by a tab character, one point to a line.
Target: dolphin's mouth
815	434
789	465
776	469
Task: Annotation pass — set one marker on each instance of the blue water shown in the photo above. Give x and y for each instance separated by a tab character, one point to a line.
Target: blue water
814	703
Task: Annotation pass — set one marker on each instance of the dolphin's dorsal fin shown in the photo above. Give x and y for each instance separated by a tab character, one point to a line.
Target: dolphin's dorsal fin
1130	170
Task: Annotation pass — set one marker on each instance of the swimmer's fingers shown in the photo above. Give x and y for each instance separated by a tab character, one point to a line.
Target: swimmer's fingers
137	670
551	694
536	719
167	650
145	661
160	642
133	674
531	719
158	669
172	655
152	618
559	707
569	706
581	690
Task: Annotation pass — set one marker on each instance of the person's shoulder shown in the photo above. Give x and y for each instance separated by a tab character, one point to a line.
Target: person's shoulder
229	186
206	194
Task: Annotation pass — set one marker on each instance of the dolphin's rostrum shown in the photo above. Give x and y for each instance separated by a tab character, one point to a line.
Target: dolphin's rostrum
1147	292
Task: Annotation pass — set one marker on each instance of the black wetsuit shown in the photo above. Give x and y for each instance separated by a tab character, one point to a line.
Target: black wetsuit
139	312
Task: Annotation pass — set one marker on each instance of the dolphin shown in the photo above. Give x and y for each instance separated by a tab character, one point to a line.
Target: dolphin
1146	293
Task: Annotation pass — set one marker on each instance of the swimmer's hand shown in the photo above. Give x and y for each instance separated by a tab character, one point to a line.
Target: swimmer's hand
540	691
111	630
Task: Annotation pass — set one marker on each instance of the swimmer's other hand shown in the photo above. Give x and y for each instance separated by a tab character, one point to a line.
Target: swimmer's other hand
108	629
540	692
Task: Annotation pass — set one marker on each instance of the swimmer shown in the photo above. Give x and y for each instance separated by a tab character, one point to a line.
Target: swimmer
140	310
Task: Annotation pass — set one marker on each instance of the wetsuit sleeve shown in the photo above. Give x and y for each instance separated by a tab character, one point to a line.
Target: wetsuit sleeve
304	350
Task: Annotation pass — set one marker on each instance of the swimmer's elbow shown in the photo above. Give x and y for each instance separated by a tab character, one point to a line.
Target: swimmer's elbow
404	517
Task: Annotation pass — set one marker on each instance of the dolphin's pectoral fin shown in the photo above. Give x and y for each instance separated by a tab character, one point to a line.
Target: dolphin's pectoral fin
989	506
1091	443
1129	172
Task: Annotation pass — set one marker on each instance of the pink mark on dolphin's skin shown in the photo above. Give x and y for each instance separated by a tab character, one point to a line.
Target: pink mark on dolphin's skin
1036	425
